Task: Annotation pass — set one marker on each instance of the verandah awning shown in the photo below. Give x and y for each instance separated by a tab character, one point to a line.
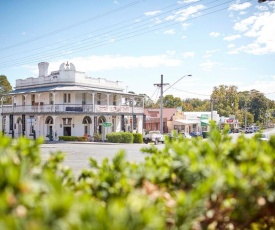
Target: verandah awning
185	122
204	122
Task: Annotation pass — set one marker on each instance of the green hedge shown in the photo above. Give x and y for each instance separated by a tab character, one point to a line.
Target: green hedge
137	138
120	137
187	184
72	138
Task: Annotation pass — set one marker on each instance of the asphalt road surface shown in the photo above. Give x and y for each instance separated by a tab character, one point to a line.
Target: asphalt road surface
78	154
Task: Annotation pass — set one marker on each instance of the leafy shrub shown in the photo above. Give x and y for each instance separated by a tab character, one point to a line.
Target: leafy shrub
189	184
120	137
137	138
72	138
97	137
114	137
127	137
81	139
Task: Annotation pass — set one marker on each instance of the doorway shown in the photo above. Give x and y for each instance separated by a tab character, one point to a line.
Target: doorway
67	131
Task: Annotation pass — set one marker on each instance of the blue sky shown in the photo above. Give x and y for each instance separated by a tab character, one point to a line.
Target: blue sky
137	41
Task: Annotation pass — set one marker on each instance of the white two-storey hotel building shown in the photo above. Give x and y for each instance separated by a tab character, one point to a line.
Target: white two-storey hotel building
69	103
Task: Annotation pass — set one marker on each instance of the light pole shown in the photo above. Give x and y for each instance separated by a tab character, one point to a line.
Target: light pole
161	97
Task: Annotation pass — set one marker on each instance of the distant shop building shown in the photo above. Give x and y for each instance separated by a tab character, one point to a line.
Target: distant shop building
178	120
231	121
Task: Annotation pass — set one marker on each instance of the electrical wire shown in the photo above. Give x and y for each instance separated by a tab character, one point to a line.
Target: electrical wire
70	45
25	60
73	25
200	94
154	93
111	26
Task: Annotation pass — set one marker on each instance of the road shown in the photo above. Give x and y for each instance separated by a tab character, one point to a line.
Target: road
78	154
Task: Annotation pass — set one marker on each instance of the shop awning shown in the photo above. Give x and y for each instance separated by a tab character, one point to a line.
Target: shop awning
185	122
204	122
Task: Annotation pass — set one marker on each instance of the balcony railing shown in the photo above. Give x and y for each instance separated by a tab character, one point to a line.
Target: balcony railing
72	108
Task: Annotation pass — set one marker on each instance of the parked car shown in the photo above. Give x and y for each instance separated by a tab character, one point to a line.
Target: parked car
264	137
185	135
196	134
249	130
153	136
256	129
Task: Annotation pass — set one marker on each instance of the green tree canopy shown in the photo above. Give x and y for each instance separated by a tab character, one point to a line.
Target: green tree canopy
5	87
226	99
196	104
169	101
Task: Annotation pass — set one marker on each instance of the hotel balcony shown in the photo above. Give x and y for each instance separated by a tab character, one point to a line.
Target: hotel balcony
71	108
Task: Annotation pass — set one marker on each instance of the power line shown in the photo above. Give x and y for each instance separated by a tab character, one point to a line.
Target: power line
192	92
73	25
112	26
101	43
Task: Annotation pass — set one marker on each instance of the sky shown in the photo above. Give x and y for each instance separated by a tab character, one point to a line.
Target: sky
218	42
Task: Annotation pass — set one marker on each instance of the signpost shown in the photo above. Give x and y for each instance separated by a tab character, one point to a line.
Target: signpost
107	124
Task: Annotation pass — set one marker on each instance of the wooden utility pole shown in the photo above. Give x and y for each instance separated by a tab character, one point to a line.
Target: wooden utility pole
161	84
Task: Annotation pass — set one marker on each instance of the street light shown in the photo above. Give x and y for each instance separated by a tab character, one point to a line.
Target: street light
189	75
161	97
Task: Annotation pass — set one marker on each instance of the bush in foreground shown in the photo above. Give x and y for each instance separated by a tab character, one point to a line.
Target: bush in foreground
190	184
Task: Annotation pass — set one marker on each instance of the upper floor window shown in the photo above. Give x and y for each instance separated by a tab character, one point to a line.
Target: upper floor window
83	98
23	100
33	99
98	97
67	98
114	100
51	98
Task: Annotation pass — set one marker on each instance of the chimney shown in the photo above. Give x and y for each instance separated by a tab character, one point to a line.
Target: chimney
43	69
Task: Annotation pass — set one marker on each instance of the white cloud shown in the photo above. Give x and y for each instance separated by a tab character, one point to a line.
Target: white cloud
209	53
242	6
188	54
112	62
185	26
266	87
23	33
184	14
152	13
212	51
243	12
244	24
171	31
171	52
261	28
262	7
231	46
183	36
214	34
208	65
232	37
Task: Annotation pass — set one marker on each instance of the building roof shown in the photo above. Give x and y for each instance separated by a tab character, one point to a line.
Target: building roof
62	88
